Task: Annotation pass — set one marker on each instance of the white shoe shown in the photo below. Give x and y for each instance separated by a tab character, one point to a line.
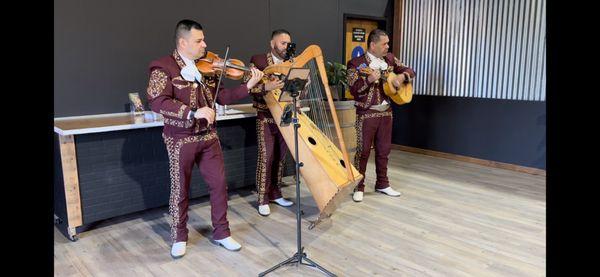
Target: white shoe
229	243
264	210
390	191
282	202
178	249
357	196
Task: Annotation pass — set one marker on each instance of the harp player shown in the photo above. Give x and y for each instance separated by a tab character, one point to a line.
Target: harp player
272	149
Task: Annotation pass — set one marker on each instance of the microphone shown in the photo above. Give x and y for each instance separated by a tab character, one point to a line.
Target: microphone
290	51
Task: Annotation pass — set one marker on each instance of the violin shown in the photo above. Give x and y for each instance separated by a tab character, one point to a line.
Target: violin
212	65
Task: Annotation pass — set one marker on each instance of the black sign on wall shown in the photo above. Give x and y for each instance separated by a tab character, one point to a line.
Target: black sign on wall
358	34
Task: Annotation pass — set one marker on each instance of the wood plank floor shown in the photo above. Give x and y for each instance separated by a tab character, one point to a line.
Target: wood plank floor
453	219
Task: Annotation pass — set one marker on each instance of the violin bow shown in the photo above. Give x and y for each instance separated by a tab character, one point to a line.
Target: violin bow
221	76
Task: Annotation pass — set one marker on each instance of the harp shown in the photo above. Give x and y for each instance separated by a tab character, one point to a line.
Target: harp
327	170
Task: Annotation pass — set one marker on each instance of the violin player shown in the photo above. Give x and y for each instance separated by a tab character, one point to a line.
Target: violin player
178	91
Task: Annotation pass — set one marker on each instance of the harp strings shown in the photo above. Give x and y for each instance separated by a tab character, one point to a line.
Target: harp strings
317	102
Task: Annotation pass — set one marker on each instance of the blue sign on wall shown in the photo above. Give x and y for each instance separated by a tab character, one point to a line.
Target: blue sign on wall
357	51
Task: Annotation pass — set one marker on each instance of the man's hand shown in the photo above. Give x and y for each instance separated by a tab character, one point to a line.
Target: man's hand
256	77
273	85
374	76
205	112
399	80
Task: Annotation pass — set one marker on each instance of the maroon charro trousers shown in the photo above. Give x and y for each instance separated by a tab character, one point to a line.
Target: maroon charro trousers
272	151
203	151
373	127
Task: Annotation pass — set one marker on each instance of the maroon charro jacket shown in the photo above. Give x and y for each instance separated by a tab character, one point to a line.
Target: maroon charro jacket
366	94
260	61
174	97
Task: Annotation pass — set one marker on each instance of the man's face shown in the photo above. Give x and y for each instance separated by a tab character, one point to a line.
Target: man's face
193	44
380	48
279	44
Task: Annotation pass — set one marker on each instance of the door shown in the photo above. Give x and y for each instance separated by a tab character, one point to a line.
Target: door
357	32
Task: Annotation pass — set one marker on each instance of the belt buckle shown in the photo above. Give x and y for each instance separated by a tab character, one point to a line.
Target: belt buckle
204	132
380	108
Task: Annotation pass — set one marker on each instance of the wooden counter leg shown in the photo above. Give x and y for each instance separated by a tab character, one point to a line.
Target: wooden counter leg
71	181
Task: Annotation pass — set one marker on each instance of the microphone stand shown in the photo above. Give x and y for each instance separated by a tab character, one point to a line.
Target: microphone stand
300	255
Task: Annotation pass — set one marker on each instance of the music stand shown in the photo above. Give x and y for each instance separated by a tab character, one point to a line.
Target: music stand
294	85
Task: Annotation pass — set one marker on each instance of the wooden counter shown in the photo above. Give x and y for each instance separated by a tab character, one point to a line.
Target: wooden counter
124	121
114	164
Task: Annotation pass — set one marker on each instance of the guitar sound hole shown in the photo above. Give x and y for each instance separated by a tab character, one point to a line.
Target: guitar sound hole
343	163
312	141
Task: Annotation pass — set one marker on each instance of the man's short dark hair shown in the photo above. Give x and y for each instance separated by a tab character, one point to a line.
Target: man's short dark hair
185	26
279	32
375	35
